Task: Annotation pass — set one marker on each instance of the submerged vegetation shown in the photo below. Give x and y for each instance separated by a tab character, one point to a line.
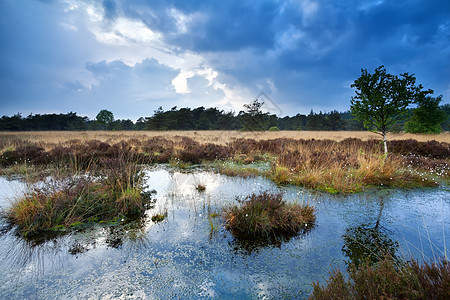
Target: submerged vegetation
158	218
267	215
200	187
388	280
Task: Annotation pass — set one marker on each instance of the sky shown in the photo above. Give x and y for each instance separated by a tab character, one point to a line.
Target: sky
132	56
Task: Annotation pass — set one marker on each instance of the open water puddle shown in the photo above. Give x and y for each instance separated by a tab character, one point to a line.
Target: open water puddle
191	256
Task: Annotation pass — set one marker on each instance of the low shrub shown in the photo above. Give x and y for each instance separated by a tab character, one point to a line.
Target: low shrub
244	146
387	280
431	149
267	215
196	153
32	154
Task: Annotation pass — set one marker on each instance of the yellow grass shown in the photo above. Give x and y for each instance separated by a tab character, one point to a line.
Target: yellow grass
211	136
318	164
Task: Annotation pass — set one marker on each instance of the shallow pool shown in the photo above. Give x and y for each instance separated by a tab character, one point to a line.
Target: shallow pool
190	255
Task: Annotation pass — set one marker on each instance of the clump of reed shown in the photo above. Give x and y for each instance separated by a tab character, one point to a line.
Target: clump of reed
111	191
267	215
388	280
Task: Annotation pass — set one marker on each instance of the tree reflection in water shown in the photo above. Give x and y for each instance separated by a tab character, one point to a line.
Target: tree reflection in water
369	243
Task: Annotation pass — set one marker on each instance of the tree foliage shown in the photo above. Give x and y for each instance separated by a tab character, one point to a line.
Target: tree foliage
382	99
253	117
427	117
69	121
105	117
200	118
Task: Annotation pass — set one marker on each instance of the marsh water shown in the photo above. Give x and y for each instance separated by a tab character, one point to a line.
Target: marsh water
190	255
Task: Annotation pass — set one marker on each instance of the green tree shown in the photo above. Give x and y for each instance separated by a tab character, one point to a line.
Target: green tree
253	117
427	117
335	121
157	121
105	118
316	122
382	99
446	124
140	123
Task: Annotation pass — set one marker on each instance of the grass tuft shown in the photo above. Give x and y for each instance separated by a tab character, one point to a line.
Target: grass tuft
386	280
111	192
267	215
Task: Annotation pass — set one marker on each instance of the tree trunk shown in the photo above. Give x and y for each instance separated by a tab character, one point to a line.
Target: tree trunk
379	213
385	143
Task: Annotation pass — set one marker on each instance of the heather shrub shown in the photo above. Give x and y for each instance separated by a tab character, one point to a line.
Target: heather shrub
209	152
244	146
273	146
31	153
194	156
157	145
430	149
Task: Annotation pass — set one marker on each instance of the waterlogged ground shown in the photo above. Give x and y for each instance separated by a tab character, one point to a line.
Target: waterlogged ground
190	255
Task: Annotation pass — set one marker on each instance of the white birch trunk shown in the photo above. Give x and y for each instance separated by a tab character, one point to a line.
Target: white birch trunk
385	144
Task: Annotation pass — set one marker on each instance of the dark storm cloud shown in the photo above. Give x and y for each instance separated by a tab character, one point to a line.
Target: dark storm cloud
233	25
304	54
335	41
223	25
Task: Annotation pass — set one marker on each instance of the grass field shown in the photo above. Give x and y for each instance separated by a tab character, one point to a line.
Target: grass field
331	161
212	136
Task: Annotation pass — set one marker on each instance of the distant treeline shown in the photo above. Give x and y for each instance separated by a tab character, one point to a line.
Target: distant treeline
194	119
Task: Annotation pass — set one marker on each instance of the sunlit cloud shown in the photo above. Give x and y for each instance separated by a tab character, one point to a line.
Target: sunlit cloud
301	53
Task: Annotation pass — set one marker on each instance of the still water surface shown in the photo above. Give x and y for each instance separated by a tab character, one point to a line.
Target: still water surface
191	256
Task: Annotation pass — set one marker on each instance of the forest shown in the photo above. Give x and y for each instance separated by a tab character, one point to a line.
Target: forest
200	118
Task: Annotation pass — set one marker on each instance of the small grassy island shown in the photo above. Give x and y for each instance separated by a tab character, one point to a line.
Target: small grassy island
267	215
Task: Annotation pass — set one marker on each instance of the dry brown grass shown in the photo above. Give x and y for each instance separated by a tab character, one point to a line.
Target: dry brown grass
319	160
209	136
346	166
